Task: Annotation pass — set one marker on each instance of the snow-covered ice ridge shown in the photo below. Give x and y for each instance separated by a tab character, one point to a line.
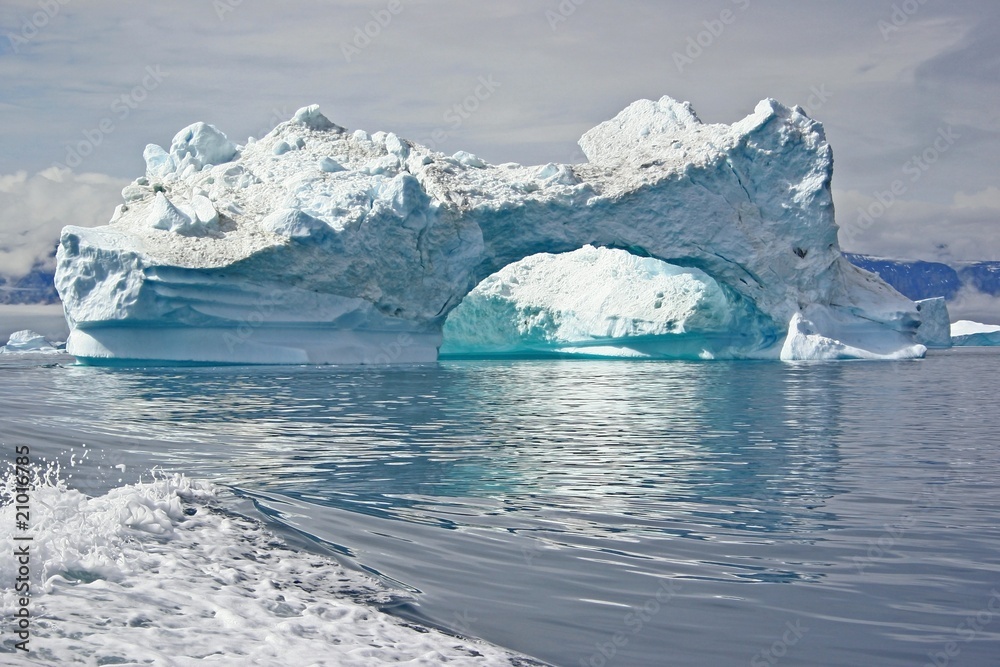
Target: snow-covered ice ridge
318	245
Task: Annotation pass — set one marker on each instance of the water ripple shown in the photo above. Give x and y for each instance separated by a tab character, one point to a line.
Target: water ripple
559	503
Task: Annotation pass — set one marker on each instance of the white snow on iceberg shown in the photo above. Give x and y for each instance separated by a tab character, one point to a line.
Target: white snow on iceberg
315	245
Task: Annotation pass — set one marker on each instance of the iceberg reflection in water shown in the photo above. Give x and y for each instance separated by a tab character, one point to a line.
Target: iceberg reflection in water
551	507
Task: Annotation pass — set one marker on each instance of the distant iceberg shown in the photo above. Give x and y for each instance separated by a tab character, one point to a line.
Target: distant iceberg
28	342
318	245
966	333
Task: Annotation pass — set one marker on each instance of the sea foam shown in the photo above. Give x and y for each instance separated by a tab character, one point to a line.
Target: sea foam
164	573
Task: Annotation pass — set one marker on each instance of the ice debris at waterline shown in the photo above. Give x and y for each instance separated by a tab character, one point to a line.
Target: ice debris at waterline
162	573
319	245
966	333
29	342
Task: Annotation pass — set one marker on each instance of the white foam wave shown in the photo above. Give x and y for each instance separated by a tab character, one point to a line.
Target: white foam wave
162	573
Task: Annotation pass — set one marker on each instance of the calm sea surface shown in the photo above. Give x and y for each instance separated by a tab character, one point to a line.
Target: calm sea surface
595	512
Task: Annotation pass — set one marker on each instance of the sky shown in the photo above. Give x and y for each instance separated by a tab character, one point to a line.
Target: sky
908	90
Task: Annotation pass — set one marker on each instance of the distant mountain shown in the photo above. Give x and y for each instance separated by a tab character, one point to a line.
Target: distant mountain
35	288
923	280
984	276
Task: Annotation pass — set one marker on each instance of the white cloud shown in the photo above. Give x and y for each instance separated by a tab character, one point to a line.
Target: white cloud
984	199
889	93
34	209
914	229
971	304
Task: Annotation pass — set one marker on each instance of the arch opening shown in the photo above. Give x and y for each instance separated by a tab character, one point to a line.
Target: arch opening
604	302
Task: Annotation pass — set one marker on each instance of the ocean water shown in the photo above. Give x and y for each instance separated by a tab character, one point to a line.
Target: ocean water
579	512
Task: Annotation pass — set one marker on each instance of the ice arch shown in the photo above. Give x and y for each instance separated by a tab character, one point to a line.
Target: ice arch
315	245
597	302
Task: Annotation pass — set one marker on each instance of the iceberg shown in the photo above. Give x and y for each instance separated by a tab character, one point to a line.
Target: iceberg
966	333
27	341
49	320
318	245
935	322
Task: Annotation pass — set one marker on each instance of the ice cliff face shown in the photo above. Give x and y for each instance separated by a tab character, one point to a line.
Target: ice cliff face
314	244
935	322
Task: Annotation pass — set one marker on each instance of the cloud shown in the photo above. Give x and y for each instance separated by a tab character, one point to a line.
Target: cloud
246	69
976	58
896	227
971	304
984	199
33	210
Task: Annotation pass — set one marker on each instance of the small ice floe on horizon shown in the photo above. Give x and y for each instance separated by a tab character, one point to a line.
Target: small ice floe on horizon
27	341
